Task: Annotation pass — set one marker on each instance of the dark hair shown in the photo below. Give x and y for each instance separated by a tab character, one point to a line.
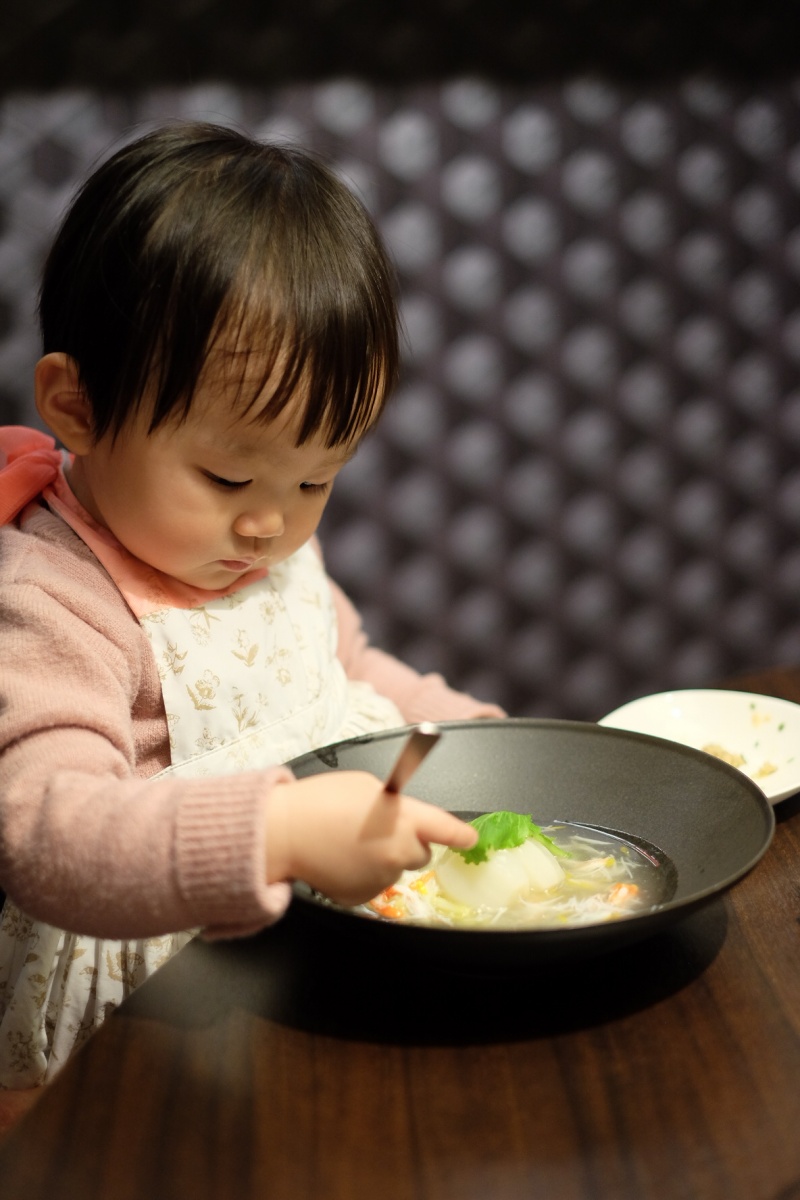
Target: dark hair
196	238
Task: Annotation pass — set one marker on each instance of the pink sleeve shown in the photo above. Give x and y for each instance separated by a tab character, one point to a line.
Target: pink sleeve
86	844
419	697
127	858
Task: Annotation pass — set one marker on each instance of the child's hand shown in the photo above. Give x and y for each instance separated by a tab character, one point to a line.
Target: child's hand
343	835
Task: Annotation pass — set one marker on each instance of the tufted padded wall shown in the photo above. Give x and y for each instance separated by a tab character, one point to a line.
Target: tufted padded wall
587	486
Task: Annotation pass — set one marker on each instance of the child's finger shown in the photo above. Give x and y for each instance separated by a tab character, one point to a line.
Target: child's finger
442	827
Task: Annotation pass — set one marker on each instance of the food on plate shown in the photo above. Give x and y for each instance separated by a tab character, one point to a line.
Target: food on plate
520	875
739	760
728	756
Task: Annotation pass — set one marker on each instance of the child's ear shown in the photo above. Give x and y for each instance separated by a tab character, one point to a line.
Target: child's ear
62	403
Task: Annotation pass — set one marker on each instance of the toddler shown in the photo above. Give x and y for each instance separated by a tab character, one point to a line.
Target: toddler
219	332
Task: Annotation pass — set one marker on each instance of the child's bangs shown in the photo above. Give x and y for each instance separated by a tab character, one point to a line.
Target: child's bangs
336	362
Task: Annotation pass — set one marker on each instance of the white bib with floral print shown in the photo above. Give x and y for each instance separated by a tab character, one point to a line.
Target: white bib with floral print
249	680
252	679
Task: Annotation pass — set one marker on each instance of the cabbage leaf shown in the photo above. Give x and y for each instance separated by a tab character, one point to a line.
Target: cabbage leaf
504	831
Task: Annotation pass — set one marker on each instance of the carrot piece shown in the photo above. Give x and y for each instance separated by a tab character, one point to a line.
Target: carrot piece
621	893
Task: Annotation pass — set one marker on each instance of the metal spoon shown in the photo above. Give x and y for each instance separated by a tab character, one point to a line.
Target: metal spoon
420	742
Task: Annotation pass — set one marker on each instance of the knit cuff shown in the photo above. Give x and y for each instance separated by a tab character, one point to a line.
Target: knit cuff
221	854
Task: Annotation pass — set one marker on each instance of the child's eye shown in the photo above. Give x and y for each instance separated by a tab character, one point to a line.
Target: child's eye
231	484
314	487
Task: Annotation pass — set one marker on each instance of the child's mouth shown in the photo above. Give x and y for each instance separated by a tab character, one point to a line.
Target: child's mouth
236	564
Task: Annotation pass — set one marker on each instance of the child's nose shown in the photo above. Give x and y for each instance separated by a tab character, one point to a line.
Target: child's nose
260	523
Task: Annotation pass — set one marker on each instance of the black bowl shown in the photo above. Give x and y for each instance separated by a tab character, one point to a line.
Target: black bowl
711	822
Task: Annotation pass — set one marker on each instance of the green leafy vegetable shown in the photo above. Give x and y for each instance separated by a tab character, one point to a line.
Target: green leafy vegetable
505	831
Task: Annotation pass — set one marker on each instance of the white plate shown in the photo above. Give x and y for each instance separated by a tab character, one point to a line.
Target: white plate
759	734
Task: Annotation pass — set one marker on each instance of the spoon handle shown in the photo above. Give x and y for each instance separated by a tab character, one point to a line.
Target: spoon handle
421	740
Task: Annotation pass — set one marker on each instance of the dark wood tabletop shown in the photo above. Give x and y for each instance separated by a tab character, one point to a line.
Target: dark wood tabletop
290	1067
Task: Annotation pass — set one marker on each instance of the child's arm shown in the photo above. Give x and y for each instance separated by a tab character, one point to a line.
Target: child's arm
87	841
419	697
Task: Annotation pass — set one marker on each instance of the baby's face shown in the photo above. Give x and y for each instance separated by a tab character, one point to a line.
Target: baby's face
209	500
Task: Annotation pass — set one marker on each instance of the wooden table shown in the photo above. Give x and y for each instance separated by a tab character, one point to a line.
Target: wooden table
287	1068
